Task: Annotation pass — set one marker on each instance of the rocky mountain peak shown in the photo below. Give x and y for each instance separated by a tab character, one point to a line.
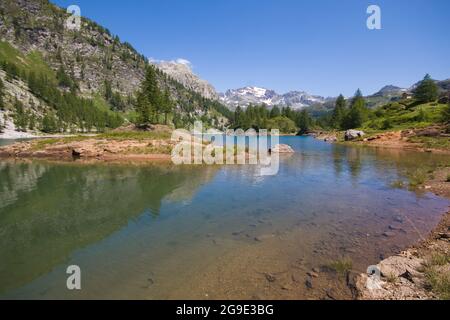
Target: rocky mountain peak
181	71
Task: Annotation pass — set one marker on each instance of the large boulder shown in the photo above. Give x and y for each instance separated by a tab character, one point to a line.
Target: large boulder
353	134
282	148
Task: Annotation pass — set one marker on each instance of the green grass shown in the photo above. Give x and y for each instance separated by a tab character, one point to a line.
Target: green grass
392	278
9	53
442	143
437	275
41	144
417	178
439	282
32	62
150	149
100	103
398	184
135	135
440	260
404	115
341	266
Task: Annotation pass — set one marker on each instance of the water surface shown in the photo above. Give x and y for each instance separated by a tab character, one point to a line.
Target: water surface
207	232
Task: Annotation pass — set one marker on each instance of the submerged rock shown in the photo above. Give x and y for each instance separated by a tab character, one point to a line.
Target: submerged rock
308	284
389	234
282	148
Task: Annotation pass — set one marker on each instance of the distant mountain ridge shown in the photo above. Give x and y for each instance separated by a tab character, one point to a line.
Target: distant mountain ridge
255	95
299	99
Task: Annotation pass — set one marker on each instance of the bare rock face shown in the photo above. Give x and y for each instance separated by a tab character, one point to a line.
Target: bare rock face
397	266
84	53
282	148
353	134
181	71
400	279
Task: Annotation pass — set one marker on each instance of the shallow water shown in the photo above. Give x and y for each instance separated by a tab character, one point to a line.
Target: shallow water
207	232
5	142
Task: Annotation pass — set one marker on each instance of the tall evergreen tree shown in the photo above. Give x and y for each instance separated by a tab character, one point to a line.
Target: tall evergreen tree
108	91
49	124
275	112
304	122
238	117
338	116
144	110
167	105
2	95
63	79
151	102
151	89
358	112
20	116
427	90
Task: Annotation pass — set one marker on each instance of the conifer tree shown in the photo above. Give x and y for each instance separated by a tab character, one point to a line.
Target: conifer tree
427	90
358	112
338	113
275	112
2	95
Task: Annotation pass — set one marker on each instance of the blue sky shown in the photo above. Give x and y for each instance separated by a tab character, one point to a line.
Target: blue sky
320	46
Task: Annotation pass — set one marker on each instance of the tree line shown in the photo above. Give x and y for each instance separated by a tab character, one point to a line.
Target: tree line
285	119
353	113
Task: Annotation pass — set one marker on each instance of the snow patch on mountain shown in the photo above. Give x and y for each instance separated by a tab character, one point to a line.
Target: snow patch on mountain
255	95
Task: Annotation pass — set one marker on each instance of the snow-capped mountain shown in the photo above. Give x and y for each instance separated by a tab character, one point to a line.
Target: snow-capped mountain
255	95
181	71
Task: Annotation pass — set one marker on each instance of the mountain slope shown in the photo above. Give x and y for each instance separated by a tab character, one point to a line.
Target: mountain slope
89	63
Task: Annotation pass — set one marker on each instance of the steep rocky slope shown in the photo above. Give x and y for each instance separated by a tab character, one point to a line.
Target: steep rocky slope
181	71
89	62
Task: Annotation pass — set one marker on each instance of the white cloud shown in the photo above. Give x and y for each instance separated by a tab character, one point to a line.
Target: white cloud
184	61
180	61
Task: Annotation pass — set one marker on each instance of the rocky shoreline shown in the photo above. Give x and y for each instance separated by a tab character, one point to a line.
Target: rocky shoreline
391	139
90	149
421	272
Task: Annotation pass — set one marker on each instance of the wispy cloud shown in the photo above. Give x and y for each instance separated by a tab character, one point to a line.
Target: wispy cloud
182	61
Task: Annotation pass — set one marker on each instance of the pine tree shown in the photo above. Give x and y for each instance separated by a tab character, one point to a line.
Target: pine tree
144	110
151	89
63	79
304	122
167	106
2	95
358	112
238	117
275	112
20	116
338	116
49	123
108	91
426	91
